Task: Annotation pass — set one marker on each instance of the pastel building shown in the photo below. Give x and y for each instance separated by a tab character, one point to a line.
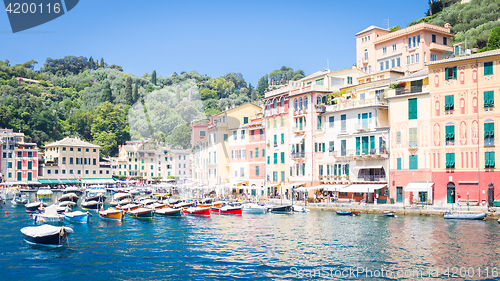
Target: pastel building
464	119
407	49
19	162
246	163
410	141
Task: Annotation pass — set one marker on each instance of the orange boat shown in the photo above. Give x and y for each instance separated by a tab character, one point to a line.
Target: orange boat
215	205
112	214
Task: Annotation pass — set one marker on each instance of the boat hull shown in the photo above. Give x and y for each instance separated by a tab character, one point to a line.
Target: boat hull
205	212
107	215
344	213
230	211
480	216
52	240
91	205
169	212
389	214
281	209
148	214
40	218
83	218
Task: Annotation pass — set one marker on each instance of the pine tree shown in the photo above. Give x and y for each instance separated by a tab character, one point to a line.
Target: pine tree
128	91
106	93
91	63
102	63
153	77
135	96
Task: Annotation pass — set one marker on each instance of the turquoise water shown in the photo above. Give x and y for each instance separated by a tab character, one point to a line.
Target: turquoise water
253	247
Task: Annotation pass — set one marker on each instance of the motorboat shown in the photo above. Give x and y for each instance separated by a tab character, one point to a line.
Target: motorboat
184	205
148	203
227	210
73	189
121	199
141	213
68	204
159	205
169	212
98	197
96	190
20	199
389	213
197	211
344	213
77	216
251	208
112	214
44	193
69	197
287	209
128	207
476	216
46	235
300	209
49	215
91	205
34	207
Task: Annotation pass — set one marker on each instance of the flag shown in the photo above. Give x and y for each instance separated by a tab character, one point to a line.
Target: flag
384	137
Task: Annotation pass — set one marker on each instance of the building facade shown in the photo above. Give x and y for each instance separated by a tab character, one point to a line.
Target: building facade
20	159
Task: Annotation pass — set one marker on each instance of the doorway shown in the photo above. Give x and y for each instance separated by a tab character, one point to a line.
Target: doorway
399	194
450	191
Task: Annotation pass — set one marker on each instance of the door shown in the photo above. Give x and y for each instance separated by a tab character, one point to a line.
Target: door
364	120
491	195
450	187
399	194
300	123
364	145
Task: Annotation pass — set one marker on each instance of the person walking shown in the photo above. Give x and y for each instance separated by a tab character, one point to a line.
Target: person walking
458	199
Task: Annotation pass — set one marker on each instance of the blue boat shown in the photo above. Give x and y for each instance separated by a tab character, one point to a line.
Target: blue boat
77	216
344	213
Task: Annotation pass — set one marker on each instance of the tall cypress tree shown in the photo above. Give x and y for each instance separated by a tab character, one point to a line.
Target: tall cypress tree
153	77
102	63
106	93
128	91
135	96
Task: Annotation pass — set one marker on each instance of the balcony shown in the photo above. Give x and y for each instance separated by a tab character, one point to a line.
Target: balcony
298	129
267	112
298	155
281	110
412	90
440	47
413	144
365	60
376	178
355	103
274	111
364	126
379	152
321	109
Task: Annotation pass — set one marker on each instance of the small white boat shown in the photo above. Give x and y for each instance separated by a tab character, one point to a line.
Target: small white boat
69	197
251	208
46	235
458	216
73	189
49	215
20	199
44	193
77	216
300	209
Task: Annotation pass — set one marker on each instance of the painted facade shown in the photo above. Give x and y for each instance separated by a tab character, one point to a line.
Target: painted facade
20	159
464	119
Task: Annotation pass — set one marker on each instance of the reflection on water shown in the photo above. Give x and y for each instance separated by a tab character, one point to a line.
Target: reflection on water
248	246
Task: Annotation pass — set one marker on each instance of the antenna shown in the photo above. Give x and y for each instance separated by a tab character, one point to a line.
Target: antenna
387	21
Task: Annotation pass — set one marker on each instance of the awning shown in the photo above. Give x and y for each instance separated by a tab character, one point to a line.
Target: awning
363	188
331	187
49	181
295	184
297	139
34	183
369	164
69	181
306	188
418	186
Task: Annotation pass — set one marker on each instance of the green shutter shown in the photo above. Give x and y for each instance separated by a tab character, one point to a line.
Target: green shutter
335	169
268	159
486	159
327	170
282	157
263	152
275	158
446	74
319	122
452	160
315	147
488	68
412	109
454	72
399	164
347	169
489	99
324	147
372	144
358	145
492	159
275	139
282	138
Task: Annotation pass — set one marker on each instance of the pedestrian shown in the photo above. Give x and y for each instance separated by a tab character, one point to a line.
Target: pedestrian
458	199
315	198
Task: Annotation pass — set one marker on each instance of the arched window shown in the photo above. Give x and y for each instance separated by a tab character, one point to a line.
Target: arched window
275	103
268	105
318	100
305	103
324	99
300	103
366	54
282	102
295	104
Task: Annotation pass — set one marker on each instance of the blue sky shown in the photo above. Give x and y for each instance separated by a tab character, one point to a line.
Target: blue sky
211	37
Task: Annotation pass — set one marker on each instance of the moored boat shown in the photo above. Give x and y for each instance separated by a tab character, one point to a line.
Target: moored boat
128	207
288	209
169	212
19	199
184	205
46	235
389	213
91	205
33	207
49	215
227	210
73	189
159	206
141	213
44	193
300	209
77	216
344	213
112	214
69	197
251	208
197	211
476	216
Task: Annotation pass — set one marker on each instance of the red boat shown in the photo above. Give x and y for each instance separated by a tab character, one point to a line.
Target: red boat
227	210
197	211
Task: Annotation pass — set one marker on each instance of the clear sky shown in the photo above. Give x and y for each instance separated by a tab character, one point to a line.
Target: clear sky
211	37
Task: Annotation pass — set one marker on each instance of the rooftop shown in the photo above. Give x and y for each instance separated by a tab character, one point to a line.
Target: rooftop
371	27
67	141
467	57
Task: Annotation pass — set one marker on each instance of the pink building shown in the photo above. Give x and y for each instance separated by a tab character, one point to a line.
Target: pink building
199	131
407	49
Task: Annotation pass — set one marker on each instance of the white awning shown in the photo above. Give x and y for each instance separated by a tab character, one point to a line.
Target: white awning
294	184
331	187
297	139
419	186
306	188
363	188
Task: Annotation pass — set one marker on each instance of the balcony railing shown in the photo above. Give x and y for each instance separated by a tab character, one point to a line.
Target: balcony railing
413	144
298	129
296	155
281	110
274	111
321	109
372	177
363	126
412	90
354	103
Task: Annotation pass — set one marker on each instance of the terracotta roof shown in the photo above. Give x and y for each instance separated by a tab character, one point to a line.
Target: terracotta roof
72	142
371	27
460	58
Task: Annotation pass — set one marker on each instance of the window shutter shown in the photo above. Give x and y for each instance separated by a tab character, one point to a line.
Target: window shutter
399	163
446	74
282	157
358	145
323	147
347	169
315	147
452	160
486	159
492	159
454	72
372	143
335	169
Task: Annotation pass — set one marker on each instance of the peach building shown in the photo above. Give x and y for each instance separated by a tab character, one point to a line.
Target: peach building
463	121
407	49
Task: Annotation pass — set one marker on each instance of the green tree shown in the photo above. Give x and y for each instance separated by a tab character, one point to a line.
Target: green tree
263	84
395	28
135	96
206	94
107	141
106	95
181	135
102	63
494	39
111	118
80	123
153	77
129	99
